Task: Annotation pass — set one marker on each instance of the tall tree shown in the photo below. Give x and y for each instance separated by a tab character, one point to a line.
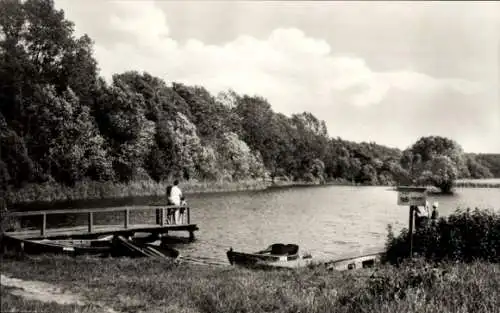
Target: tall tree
435	160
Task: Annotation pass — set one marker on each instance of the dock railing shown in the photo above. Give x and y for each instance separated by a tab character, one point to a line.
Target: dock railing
165	215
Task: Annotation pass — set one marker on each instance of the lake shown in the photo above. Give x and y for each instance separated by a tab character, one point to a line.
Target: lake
327	221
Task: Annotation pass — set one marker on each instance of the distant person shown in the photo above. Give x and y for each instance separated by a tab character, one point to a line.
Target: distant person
422	216
435	213
177	199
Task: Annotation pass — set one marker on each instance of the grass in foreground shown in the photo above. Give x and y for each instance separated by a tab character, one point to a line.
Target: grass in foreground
16	304
146	285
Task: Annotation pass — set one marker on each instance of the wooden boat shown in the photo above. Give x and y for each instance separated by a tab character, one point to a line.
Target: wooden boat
355	262
274	253
125	247
65	246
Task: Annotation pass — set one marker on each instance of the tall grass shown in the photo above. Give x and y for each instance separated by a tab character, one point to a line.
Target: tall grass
479	184
132	285
90	190
463	236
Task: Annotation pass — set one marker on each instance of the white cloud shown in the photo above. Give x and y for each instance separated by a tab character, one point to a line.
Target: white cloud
287	67
294	71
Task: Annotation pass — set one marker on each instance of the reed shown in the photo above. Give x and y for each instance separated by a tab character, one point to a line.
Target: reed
472	184
91	190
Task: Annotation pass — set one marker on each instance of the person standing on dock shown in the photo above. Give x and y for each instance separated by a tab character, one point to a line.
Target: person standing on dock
176	198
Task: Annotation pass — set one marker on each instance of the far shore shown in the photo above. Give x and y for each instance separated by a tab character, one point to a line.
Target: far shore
52	192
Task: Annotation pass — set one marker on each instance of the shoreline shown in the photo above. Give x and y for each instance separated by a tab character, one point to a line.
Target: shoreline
97	191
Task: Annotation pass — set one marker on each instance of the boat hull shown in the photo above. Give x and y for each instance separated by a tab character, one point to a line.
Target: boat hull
125	247
70	247
257	259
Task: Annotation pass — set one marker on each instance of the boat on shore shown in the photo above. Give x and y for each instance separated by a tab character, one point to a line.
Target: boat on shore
355	262
273	255
95	246
112	245
287	257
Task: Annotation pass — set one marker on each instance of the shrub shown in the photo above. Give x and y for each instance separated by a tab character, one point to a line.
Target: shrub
463	236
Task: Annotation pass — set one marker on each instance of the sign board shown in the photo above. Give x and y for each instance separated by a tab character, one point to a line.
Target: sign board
408	196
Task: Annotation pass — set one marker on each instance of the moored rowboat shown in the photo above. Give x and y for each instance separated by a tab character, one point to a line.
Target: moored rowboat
275	253
69	246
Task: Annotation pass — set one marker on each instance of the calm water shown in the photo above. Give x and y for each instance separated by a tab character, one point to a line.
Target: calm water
329	222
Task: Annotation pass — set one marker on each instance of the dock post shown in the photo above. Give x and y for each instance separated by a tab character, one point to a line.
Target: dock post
412	215
91	222
188	215
127	218
159	216
43	230
163	215
191	235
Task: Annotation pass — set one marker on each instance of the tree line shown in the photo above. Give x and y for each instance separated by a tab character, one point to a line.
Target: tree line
61	122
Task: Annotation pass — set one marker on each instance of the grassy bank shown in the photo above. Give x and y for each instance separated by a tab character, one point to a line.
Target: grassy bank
473	184
91	190
147	285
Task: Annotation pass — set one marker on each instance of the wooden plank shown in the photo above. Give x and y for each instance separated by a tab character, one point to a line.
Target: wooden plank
163	216
101	230
44	225
127	218
91	222
158	216
83	211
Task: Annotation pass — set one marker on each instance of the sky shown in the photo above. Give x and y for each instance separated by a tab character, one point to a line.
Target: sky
388	72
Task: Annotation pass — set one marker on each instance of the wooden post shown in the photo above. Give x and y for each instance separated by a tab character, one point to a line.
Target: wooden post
163	216
188	215
412	197
127	218
159	216
410	239
91	222
43	230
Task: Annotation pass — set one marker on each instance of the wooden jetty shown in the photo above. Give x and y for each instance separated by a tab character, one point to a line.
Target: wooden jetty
163	224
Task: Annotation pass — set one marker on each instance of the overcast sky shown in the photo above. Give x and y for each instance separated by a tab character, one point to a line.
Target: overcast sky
373	71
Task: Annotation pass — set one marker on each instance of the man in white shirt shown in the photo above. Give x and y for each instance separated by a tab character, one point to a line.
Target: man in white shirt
175	198
175	194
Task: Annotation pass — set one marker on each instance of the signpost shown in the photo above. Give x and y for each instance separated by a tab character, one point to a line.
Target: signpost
412	197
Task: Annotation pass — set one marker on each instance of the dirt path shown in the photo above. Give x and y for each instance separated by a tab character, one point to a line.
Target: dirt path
45	292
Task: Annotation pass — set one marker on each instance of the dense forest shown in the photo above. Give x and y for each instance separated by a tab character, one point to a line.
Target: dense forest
61	122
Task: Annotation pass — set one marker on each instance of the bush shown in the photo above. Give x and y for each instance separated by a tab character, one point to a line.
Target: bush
463	236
